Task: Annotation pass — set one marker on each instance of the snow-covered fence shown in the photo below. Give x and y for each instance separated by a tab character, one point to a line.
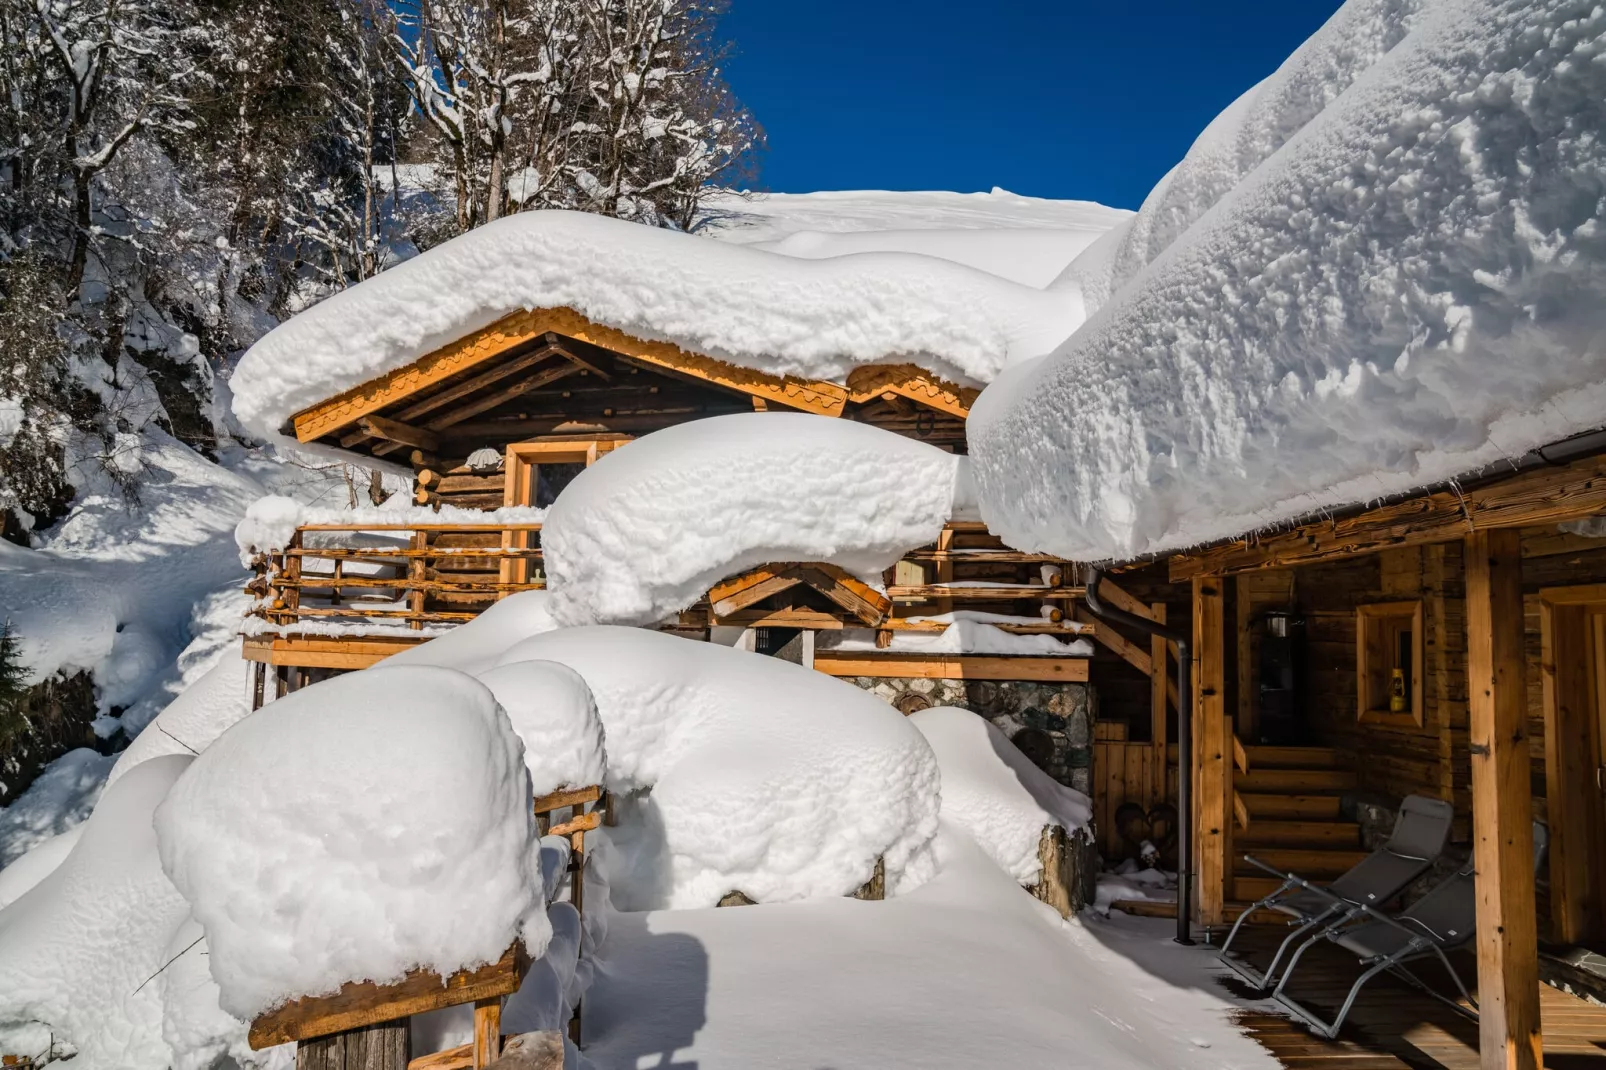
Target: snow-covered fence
364	576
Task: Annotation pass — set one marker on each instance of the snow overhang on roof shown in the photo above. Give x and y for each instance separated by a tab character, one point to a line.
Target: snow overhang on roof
1383	268
774	315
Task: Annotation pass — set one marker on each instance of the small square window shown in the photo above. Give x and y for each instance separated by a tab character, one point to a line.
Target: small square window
1388	662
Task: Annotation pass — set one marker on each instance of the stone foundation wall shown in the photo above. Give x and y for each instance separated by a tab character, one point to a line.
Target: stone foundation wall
1052	724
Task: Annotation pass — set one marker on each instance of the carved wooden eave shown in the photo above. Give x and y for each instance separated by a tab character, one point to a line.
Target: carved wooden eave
482	349
912	382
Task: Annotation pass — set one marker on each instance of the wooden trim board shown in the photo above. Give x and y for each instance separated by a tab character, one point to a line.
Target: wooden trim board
325	652
1541	496
360	1003
951	666
525	326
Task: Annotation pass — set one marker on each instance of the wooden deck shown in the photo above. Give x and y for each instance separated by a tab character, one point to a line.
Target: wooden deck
1394	1026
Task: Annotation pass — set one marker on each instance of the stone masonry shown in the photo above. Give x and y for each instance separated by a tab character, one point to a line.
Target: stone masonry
1052	724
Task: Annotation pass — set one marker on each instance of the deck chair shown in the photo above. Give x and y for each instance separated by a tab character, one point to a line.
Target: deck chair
1439	922
1420	830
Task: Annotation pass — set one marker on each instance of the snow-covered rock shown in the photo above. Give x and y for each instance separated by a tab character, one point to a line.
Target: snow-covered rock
1383	267
767	311
649	528
764	777
357	828
994	792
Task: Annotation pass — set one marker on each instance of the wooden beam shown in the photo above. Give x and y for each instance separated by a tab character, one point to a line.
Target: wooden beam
325	652
1133	654
1212	751
360	1003
846	590
400	434
951	666
1542	496
739	592
1502	810
463	389
1159	683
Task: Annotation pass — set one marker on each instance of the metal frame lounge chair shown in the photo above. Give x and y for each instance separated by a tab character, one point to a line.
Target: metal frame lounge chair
1440	921
1420	831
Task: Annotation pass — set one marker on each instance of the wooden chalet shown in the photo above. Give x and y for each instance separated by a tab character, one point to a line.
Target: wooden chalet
1449	644
506	415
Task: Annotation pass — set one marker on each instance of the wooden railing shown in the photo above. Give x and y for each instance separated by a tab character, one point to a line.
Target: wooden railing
368	576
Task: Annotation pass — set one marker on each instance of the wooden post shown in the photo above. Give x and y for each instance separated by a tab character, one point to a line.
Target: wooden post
370	1047
1212	748
1571	750
417	574
1502	810
487	1031
1159	674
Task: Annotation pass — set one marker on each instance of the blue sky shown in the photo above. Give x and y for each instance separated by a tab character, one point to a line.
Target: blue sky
1052	98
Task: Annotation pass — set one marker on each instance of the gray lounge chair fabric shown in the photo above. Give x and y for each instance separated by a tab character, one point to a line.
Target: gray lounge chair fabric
1439	922
1420	830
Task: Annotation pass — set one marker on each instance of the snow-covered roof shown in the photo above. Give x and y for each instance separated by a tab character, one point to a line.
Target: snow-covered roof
1383	267
813	319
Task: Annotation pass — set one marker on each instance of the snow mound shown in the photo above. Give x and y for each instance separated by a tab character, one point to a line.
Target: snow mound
552	711
80	946
762	310
61	797
475	647
647	529
994	792
201	712
761	217
764	777
308	868
1028	257
1382	268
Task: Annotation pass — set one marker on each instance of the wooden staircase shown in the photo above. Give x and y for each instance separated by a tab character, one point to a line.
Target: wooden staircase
1287	815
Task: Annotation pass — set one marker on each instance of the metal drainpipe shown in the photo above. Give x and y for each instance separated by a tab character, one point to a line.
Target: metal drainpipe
1116	615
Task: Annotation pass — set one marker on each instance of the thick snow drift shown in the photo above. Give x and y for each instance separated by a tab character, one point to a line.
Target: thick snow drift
763	310
311	856
475	647
80	946
967	971
270	521
994	792
647	529
765	777
1383	267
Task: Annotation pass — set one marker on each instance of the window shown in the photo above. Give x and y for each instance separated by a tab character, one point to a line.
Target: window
1388	662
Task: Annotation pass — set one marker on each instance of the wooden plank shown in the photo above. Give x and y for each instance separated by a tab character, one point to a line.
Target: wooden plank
361	1003
1004	593
1120	599
1546	495
458	1058
325	653
1212	751
786	618
951	666
374	1047
746	590
1507	940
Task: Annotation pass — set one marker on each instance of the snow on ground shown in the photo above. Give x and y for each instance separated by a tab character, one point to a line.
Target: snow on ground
766	778
80	946
647	529
1382	268
966	971
61	797
773	313
310	857
990	788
